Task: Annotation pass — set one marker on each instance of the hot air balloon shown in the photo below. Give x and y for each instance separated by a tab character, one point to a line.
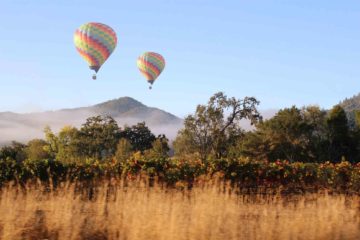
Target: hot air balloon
151	65
95	42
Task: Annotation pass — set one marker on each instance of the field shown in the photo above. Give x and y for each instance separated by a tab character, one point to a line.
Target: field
118	209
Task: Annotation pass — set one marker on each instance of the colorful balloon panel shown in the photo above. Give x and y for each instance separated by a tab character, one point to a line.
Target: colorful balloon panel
95	42
151	65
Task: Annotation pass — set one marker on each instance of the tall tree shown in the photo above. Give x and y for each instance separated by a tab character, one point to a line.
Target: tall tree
124	150
36	150
287	134
213	126
139	135
160	148
98	137
315	118
338	134
66	145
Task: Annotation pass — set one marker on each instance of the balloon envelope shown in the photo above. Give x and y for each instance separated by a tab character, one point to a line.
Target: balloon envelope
95	42
151	65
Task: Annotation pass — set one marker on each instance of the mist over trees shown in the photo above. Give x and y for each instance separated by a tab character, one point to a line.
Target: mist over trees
99	138
298	148
213	131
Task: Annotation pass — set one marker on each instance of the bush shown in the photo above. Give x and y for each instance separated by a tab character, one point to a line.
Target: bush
342	176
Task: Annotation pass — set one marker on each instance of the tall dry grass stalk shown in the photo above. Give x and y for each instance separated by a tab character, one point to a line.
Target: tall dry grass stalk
135	211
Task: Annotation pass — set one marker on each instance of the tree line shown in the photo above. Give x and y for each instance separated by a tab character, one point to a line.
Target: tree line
213	131
98	139
307	134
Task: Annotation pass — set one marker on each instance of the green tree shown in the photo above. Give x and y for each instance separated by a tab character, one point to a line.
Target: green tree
287	135
308	135
338	134
15	151
316	120
124	150
98	137
139	135
292	134
251	145
160	148
36	150
215	126
68	145
52	142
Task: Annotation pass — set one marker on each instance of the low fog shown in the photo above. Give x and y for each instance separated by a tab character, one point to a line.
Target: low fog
24	127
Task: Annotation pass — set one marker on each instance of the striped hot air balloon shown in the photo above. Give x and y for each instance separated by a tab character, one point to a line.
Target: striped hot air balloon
151	65
95	42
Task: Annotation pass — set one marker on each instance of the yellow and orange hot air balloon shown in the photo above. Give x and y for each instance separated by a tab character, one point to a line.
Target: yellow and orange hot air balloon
95	42
151	65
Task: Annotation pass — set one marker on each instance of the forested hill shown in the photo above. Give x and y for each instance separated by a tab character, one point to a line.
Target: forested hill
129	108
125	110
350	105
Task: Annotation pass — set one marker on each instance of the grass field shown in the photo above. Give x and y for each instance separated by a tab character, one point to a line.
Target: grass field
119	210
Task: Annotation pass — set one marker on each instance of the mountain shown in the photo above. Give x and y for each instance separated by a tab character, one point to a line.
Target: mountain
125	110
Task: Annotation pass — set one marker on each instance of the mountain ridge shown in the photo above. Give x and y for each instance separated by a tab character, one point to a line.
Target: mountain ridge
125	110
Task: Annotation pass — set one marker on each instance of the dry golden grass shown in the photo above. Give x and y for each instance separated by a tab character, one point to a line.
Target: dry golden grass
139	212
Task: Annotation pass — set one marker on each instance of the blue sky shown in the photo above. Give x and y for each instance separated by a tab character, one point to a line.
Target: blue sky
282	52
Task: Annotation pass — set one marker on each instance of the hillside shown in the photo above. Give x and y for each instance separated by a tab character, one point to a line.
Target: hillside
351	105
125	110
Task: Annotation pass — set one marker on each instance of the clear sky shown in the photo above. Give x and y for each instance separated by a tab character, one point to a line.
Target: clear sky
282	52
